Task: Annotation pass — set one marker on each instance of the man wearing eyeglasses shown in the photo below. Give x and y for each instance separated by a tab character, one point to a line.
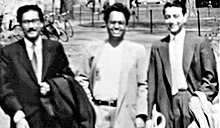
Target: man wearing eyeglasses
26	68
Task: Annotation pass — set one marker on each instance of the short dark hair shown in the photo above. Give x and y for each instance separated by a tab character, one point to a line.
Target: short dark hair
27	8
117	7
175	3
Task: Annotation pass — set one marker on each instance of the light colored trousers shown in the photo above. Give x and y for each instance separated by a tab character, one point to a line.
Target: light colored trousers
105	116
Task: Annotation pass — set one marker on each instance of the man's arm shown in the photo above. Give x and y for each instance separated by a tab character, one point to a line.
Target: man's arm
83	73
151	81
209	74
142	104
9	101
63	62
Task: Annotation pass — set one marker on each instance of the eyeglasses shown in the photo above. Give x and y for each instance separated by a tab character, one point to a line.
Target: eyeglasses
33	21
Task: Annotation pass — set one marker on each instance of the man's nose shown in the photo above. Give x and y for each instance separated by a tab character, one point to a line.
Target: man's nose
171	20
116	25
31	24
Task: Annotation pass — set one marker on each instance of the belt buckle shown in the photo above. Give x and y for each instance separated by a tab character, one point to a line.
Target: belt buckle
110	103
100	102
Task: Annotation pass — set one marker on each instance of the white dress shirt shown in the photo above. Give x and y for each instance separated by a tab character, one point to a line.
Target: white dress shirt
176	46
38	51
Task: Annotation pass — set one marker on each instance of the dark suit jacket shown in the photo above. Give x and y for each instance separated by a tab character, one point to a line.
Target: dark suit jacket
19	89
198	66
70	101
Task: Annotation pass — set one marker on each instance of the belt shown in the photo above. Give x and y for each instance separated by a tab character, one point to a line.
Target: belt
112	103
182	90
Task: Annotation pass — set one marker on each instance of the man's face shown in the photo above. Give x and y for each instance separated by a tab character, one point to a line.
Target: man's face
31	25
116	25
174	19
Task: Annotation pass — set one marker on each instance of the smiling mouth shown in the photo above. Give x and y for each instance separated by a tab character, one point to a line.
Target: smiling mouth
116	31
173	26
32	31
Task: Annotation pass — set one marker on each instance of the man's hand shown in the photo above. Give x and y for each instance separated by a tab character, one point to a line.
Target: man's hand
193	125
149	123
44	88
22	123
139	123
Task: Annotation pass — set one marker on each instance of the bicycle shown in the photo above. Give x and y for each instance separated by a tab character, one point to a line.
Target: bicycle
63	21
52	30
9	31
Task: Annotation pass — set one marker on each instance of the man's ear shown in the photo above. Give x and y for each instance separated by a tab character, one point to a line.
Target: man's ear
42	25
185	17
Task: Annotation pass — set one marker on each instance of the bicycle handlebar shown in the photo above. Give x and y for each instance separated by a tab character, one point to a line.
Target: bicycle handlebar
64	13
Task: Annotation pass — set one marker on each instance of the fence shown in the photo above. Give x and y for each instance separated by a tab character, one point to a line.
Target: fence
150	16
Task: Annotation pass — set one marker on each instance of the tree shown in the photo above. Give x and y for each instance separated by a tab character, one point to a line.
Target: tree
191	7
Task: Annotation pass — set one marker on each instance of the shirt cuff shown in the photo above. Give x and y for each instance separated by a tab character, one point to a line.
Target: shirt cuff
18	116
142	116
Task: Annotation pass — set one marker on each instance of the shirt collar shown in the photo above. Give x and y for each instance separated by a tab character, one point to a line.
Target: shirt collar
179	36
29	44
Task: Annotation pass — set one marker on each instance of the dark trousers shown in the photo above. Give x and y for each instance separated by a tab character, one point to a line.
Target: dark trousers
40	119
181	113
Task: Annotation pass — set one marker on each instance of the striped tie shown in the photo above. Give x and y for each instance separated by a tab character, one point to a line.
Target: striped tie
34	60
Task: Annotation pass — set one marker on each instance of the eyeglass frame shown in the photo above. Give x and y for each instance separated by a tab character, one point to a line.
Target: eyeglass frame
33	21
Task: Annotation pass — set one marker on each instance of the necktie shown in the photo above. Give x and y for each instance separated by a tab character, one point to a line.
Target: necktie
34	59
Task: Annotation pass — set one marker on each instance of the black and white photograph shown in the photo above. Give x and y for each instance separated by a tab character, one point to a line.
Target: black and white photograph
109	63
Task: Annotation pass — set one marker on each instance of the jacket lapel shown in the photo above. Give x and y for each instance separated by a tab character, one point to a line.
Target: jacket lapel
96	55
25	61
126	57
47	55
187	55
164	53
188	52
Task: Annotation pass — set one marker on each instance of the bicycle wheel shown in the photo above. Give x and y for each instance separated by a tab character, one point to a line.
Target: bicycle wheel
50	32
16	28
63	35
68	28
18	31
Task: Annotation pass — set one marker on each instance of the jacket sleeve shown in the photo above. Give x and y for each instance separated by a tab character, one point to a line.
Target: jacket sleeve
8	99
59	64
84	107
142	81
83	71
63	62
209	83
151	81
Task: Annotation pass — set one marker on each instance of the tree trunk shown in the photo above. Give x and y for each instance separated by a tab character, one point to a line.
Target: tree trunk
191	8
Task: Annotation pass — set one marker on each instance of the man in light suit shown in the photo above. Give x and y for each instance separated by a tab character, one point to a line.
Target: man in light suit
26	66
118	75
180	64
